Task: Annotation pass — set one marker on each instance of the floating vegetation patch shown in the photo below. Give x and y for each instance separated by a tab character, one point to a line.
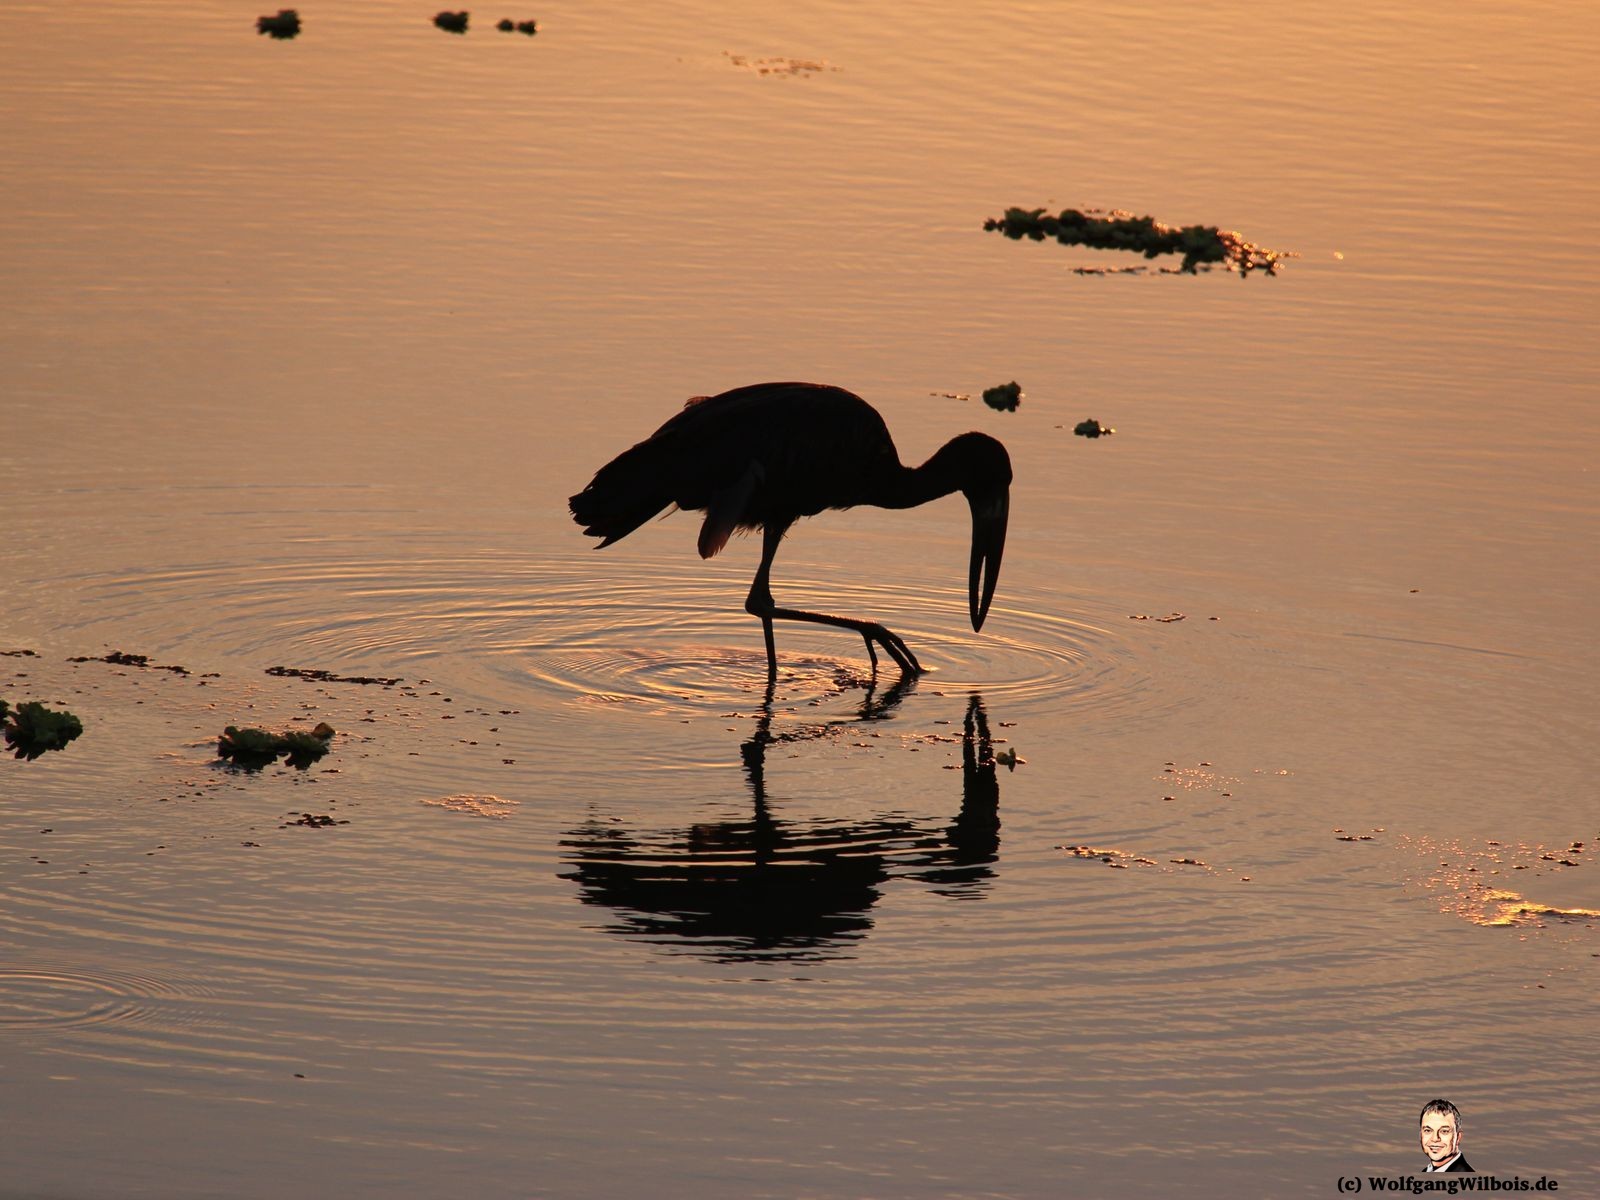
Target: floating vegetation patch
33	729
253	749
320	676
1092	429
507	25
312	820
1119	859
452	22
286	24
1003	397
120	658
1200	245
803	67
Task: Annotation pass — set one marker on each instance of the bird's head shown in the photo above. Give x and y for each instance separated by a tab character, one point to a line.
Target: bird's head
982	469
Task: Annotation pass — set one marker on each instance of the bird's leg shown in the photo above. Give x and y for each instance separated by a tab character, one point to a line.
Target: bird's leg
772	650
760	603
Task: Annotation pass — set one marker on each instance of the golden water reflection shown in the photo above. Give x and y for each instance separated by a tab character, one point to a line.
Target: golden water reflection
1473	881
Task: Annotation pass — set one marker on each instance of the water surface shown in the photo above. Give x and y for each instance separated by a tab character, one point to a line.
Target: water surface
307	343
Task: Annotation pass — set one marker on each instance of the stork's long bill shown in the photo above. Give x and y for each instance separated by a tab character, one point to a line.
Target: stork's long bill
989	513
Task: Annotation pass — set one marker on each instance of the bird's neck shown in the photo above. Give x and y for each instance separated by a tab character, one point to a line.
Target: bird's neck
908	487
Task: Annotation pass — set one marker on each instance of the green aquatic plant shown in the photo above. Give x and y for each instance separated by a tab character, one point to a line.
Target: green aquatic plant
1005	397
32	729
254	748
1200	245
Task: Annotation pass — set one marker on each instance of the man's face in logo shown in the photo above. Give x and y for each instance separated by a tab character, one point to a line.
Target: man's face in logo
1440	1137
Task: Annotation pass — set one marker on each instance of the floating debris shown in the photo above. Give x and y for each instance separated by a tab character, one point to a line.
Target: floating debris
253	749
285	25
779	66
1005	397
320	676
119	658
1119	859
452	22
312	820
1200	245
33	729
1092	429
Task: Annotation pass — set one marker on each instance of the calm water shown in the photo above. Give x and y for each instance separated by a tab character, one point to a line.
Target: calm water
305	344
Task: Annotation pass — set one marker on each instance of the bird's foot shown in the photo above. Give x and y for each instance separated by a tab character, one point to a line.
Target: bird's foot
872	632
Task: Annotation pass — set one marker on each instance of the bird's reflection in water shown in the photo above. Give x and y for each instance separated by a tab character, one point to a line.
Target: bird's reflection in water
766	889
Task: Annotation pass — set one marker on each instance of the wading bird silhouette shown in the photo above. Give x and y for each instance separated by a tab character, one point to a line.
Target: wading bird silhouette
762	457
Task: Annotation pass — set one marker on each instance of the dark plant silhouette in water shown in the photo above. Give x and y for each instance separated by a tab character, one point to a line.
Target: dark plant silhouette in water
767	889
1200	245
32	729
252	749
286	24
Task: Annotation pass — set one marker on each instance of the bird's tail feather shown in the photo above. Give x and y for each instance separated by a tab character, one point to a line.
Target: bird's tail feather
624	494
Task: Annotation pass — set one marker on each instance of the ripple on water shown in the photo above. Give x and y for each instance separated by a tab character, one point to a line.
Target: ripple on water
45	998
656	635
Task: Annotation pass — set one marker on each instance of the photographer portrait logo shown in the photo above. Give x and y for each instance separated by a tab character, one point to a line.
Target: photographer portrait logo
1441	1137
1439	1133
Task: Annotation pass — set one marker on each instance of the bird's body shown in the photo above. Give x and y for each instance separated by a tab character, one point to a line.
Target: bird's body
761	457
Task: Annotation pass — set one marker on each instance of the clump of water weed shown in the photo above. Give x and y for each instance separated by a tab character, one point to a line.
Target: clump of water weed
253	748
321	676
1200	245
32	729
1005	397
286	24
121	658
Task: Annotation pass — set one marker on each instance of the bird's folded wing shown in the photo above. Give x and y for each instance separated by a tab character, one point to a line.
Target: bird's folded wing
726	510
